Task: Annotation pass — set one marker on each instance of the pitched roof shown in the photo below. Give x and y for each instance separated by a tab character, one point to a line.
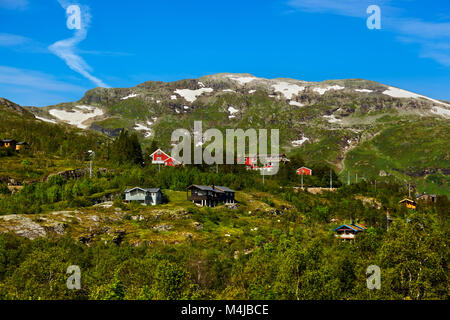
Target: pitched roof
150	190
204	188
226	189
353	227
406	200
157	151
358	226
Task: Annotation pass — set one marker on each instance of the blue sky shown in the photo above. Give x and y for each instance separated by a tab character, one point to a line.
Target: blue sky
128	42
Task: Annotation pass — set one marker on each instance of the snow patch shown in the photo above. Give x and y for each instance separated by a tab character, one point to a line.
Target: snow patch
141	127
298	143
228	90
288	89
174	97
332	119
45	119
129	96
191	95
242	80
364	90
400	93
295	103
441	111
252	91
232	110
322	91
77	115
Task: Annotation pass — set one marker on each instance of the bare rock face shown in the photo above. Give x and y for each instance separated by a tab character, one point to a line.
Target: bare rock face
22	226
163	227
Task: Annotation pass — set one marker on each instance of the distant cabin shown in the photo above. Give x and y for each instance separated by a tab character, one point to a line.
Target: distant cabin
348	231
151	196
426	197
410	204
12	144
304	171
210	196
160	157
251	162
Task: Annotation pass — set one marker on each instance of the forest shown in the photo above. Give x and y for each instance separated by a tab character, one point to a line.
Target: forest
293	255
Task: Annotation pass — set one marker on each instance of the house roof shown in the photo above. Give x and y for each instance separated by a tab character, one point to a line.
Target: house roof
358	226
351	226
204	188
226	189
157	151
406	200
425	195
304	168
8	141
174	160
218	189
150	190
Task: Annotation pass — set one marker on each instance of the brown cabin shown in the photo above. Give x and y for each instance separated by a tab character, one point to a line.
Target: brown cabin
210	196
426	197
410	204
13	144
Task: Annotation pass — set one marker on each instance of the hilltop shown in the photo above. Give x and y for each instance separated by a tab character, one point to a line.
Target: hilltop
371	129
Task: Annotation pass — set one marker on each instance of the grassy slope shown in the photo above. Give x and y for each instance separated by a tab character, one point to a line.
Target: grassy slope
411	147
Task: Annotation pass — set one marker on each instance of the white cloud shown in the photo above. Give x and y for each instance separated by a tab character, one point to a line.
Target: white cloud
67	49
10	40
433	37
351	8
14	4
34	79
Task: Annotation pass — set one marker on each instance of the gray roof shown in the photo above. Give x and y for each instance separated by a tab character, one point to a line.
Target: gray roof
150	190
224	189
204	188
218	189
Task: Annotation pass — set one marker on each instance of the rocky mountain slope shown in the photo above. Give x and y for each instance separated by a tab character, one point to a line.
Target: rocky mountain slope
336	121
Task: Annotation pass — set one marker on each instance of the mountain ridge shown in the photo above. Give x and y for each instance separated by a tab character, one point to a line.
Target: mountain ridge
340	122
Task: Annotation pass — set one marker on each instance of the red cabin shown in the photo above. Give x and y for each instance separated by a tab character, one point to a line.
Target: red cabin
160	157
172	162
304	171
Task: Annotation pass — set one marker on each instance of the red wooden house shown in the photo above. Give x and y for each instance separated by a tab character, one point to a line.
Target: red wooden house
160	157
304	171
251	162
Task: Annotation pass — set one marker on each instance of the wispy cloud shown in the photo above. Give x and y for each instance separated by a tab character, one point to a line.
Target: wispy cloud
30	87
34	79
351	8
67	49
14	4
10	40
433	37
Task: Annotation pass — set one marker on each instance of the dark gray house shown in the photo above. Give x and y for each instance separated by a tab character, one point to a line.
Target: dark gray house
152	196
210	196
